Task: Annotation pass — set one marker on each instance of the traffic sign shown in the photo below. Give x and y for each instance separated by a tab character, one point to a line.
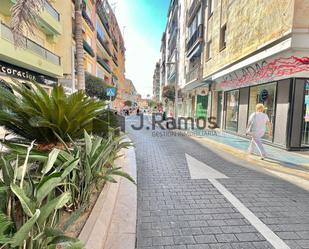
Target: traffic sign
111	91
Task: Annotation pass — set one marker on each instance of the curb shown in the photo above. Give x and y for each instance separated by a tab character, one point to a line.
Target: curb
112	222
271	165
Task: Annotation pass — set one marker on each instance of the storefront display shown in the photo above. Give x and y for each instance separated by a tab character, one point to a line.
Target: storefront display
265	94
232	104
305	132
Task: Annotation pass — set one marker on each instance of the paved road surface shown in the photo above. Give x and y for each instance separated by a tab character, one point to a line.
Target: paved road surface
178	212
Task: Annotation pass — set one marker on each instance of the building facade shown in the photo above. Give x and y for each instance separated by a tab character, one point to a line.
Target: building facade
41	58
240	53
49	56
156	85
130	92
104	46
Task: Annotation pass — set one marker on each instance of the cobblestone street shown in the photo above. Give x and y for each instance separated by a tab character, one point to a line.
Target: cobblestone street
178	212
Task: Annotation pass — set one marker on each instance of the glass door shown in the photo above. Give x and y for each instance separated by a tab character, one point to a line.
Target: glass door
232	107
305	135
201	106
219	109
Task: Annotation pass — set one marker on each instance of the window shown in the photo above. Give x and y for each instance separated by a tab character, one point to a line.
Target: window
223	37
208	50
211	5
265	94
100	30
305	135
232	103
100	72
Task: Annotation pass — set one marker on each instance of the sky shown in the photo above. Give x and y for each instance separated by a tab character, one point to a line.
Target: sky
143	23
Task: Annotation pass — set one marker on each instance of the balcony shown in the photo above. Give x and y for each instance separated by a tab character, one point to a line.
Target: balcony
193	74
115	44
195	38
103	64
104	19
115	60
115	80
88	48
32	56
49	18
191	12
87	18
104	44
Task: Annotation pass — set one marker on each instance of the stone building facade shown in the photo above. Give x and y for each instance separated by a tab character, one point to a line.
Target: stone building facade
252	51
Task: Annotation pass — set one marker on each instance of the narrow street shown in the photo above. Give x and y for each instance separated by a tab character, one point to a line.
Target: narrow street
190	197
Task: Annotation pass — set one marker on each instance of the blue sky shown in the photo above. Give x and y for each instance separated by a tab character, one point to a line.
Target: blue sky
144	22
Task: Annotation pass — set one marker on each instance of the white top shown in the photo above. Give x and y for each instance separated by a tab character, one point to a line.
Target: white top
259	121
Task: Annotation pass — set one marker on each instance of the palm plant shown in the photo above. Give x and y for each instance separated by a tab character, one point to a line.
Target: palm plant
34	115
24	16
95	155
30	203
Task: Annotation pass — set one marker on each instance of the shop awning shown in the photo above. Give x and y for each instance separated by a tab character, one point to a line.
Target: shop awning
196	84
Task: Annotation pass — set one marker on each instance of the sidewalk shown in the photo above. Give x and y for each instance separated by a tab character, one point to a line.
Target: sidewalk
276	156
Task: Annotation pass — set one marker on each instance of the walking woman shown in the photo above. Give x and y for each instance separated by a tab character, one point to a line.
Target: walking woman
258	121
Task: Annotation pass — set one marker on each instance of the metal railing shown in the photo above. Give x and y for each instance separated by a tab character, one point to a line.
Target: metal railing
52	11
197	36
30	45
103	64
192	10
193	74
104	44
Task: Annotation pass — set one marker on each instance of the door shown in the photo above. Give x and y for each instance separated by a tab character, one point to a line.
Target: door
219	109
201	106
305	132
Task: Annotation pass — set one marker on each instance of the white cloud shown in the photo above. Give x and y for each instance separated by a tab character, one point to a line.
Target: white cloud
140	56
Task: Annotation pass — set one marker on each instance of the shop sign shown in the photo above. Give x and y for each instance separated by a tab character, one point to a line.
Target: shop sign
307	99
264	71
24	74
307	84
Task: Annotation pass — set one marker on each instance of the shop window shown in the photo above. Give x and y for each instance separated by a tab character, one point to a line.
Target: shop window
223	37
265	94
232	106
305	135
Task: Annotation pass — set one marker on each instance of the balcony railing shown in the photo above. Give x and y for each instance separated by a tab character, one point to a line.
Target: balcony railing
52	11
193	74
86	17
104	44
197	36
104	19
88	49
192	10
32	46
115	60
173	35
115	44
103	64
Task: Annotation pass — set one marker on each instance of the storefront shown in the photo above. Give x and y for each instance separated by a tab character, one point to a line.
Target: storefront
9	73
280	83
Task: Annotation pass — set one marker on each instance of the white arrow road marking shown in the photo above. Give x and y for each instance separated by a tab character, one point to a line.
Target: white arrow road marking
199	170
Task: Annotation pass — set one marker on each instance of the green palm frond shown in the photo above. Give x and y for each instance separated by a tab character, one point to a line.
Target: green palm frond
34	115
